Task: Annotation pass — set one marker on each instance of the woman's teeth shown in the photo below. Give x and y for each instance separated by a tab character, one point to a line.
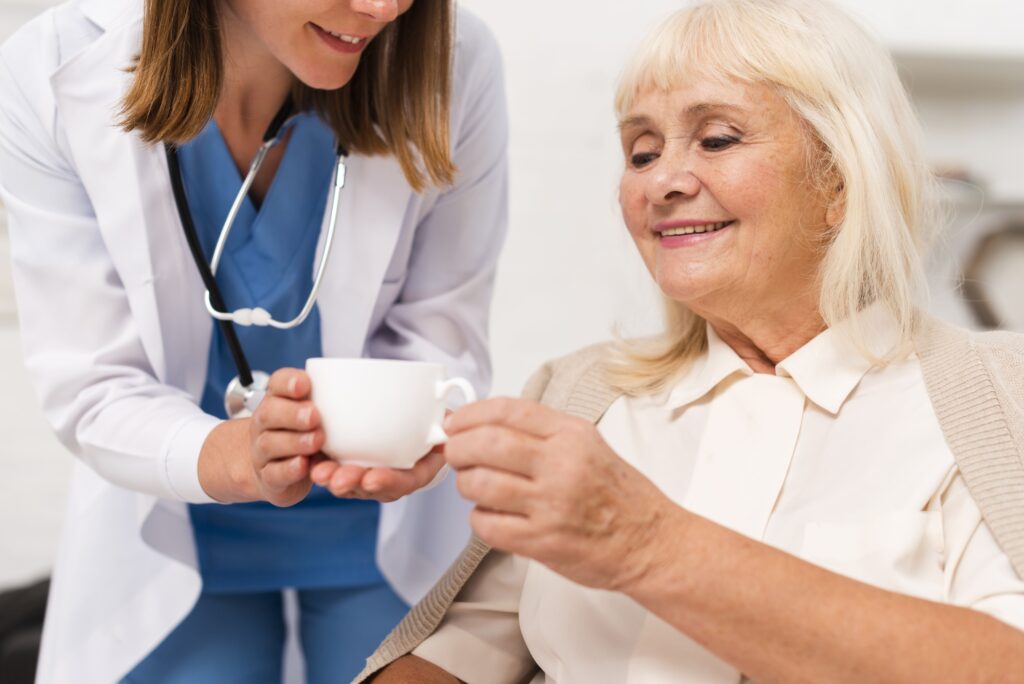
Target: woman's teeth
348	39
689	230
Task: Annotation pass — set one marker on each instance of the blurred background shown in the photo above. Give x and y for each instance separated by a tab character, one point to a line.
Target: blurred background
569	276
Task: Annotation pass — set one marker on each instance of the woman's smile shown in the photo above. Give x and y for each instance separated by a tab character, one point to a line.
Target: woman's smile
675	234
341	42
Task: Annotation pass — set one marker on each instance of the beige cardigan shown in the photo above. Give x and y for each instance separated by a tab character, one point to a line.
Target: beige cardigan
976	386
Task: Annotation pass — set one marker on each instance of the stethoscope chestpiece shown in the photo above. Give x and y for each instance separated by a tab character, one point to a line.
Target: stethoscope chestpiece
240	401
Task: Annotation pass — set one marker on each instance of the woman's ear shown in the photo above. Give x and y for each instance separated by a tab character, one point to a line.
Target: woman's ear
836	210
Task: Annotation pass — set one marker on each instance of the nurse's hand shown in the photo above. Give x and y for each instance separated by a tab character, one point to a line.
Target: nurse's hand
266	457
285	438
381	484
286	443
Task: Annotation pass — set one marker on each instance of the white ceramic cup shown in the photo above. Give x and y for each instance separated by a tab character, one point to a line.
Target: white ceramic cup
380	413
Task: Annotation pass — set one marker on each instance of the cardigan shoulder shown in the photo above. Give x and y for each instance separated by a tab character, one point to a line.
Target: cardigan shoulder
575	383
975	382
1003	353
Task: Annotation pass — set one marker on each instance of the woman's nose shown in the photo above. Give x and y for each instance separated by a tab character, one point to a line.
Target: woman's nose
378	10
672	179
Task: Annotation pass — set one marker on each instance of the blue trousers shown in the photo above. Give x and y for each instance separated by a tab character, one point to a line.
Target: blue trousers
240	637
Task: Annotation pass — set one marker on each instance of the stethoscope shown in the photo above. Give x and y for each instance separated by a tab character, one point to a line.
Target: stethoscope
245	391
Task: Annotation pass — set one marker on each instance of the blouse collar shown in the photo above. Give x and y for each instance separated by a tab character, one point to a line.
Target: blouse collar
708	370
826	369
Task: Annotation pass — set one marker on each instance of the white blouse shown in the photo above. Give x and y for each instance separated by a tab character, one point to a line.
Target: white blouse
831	459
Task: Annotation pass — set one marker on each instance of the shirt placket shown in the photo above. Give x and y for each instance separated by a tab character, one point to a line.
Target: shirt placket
741	467
746	452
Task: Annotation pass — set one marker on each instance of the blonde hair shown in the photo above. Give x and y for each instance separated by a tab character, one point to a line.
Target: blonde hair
842	83
397	103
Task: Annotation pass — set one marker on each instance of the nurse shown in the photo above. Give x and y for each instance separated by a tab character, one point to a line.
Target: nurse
126	132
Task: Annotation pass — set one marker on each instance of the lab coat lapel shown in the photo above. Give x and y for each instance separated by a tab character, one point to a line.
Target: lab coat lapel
129	186
109	13
373	209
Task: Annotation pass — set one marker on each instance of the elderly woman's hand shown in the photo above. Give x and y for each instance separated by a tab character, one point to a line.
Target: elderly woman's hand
548	487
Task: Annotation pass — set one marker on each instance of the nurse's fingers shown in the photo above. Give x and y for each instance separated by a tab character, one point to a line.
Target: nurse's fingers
292	383
279	413
382	484
344	481
274	444
321	469
388	484
346	485
286	480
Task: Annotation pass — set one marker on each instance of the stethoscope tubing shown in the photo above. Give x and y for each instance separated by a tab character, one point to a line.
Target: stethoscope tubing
248	391
212	290
258	316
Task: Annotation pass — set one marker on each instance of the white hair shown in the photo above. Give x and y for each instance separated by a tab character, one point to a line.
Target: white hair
842	83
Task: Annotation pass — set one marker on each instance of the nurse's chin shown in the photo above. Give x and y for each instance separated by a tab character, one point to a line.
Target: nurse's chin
327	77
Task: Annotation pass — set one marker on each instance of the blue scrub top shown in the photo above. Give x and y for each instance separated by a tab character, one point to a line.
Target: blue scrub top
268	262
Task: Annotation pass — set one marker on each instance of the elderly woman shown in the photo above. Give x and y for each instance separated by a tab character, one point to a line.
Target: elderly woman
805	479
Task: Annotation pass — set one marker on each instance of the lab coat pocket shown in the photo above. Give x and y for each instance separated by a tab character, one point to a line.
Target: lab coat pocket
901	551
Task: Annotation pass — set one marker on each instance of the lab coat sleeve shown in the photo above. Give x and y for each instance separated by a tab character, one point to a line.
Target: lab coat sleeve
81	343
442	313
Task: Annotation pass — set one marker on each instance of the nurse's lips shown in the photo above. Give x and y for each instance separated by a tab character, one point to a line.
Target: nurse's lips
346	43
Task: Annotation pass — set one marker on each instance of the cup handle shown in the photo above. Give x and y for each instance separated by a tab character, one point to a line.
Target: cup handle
437	434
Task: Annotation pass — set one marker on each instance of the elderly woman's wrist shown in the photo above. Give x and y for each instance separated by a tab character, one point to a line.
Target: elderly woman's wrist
654	564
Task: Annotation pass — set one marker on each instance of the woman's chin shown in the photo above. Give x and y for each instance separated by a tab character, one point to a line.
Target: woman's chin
326	79
686	291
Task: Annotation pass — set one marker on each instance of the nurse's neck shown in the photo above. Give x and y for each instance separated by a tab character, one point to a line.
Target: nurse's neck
255	85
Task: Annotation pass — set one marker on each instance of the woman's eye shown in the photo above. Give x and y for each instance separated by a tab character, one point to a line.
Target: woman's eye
719	142
642	159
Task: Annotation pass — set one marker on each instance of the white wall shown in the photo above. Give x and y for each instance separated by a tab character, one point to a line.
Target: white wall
13	13
944	26
569	274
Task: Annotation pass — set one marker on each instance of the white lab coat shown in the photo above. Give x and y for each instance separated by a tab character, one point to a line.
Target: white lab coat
116	337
